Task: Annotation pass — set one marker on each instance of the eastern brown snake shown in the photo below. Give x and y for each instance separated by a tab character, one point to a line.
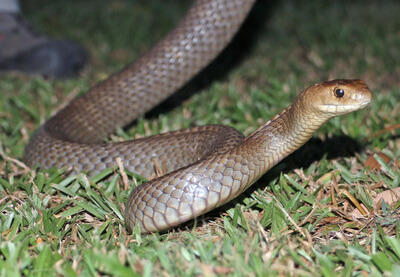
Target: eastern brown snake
208	165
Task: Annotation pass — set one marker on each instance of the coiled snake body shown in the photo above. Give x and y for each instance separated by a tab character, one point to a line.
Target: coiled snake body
209	165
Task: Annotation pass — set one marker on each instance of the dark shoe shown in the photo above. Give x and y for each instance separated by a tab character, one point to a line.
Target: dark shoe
23	49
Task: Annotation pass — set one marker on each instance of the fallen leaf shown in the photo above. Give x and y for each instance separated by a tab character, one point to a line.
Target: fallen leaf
373	164
390	196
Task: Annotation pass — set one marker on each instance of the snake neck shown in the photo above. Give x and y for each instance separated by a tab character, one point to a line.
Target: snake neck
280	136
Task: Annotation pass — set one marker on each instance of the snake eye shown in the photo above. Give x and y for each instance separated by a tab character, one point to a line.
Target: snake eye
339	93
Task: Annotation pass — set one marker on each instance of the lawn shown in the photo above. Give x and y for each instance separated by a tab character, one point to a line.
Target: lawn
303	218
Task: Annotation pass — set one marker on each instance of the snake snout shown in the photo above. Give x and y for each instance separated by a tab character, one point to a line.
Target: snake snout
362	97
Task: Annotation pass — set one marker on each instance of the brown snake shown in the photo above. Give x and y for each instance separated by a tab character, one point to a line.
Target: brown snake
209	165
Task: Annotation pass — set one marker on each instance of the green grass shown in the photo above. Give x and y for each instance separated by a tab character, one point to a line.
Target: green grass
295	221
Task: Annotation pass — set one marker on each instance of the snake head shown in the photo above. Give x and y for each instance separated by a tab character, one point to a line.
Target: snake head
336	97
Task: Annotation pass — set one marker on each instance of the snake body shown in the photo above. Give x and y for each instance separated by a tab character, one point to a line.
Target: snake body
209	165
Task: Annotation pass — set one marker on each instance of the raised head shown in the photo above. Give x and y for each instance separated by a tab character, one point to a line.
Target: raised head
336	97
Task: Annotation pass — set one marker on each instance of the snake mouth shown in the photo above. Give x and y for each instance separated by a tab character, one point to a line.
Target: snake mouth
342	109
365	103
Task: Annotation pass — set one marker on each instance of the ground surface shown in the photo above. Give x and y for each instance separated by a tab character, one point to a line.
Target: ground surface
301	219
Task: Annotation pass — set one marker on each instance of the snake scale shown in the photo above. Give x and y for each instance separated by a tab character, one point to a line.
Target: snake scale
209	165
